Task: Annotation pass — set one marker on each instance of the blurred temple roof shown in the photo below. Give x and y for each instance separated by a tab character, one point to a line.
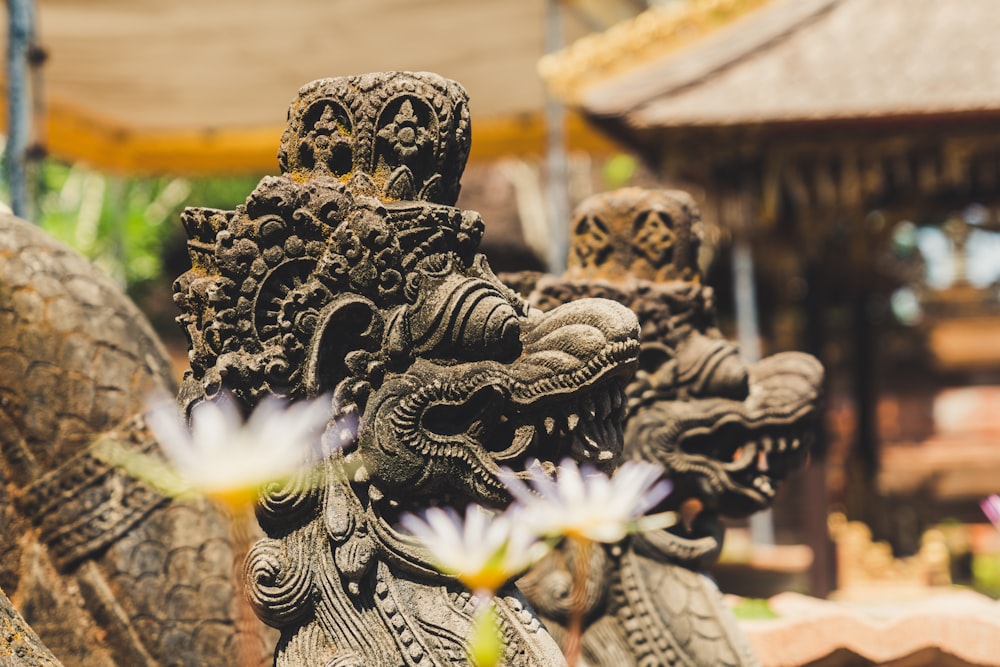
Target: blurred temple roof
203	85
720	62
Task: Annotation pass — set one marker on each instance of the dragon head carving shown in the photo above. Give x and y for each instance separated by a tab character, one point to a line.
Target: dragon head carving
727	431
353	274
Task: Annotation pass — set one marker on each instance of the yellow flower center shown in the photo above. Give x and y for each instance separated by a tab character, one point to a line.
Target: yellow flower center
486	579
233	498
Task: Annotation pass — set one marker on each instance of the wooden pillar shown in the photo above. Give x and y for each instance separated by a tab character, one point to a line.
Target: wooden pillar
556	177
822	575
865	394
863	501
814	224
739	215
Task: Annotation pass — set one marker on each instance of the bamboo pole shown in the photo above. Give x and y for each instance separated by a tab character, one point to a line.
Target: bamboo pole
20	26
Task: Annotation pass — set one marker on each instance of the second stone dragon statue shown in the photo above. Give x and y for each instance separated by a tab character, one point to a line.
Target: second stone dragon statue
726	431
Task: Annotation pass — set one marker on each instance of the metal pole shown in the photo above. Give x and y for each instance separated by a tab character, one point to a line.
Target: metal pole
748	335
19	39
747	326
556	181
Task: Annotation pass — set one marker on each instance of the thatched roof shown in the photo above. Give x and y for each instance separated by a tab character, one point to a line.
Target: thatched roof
806	61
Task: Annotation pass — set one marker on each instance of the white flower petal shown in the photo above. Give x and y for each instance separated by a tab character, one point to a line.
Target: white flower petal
514	484
222	455
585	503
570	482
215	425
169	429
481	549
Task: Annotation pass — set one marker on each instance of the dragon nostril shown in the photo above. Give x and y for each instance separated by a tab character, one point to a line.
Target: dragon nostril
729	380
509	339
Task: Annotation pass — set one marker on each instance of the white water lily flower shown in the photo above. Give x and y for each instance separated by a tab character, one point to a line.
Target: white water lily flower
483	551
585	504
224	458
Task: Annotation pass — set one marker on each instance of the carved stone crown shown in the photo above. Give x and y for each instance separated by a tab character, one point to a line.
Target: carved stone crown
633	234
371	165
394	135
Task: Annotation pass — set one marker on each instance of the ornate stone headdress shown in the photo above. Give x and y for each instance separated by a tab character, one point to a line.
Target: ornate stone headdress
371	165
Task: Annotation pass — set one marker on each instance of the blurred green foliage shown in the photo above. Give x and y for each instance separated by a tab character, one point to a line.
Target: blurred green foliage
986	574
129	226
619	170
753	609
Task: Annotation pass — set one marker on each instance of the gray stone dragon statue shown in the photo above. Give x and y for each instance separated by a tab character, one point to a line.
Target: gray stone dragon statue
726	431
353	274
350	274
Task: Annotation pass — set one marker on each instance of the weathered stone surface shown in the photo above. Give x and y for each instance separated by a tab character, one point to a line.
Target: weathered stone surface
920	628
19	645
352	274
632	234
726	431
77	363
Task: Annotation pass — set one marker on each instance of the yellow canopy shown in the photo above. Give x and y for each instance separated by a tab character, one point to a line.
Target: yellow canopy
202	86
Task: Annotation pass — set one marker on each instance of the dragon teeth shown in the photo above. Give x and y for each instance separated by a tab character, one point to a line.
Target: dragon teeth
588	408
762	461
603	405
550	425
617	398
572	421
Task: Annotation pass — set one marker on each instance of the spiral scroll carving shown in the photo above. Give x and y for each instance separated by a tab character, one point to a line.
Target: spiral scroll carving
353	275
277	587
288	503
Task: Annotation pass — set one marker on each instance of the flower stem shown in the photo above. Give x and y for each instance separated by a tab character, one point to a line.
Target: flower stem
247	625
573	643
485	645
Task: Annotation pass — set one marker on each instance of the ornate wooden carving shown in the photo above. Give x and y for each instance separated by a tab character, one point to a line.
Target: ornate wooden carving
352	273
727	432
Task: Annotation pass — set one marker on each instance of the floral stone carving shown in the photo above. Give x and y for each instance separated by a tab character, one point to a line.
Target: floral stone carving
353	274
727	432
